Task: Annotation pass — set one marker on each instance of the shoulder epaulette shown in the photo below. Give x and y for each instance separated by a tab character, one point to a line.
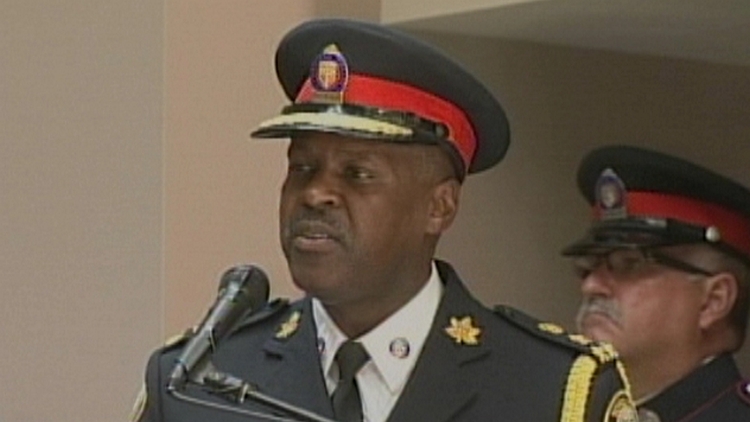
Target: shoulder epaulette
603	352
178	340
272	308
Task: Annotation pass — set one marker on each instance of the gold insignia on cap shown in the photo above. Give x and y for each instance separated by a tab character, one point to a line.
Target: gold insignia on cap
463	331
621	409
140	405
290	326
550	328
329	76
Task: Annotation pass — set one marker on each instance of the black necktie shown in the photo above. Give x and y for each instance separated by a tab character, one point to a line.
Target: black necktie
347	405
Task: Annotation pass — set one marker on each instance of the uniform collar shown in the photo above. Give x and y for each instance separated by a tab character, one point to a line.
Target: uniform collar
411	323
704	384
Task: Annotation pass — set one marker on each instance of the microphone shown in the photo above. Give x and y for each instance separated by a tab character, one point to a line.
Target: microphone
242	289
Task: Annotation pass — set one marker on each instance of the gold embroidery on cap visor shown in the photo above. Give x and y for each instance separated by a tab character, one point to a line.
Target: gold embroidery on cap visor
332	121
349	117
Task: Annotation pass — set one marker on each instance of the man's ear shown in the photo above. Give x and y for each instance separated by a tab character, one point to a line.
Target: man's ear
443	206
720	295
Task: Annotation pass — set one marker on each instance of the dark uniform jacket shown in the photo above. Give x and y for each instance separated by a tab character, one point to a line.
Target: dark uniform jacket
715	392
515	371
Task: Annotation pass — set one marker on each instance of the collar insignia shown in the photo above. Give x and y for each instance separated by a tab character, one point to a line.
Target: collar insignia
463	331
289	327
399	348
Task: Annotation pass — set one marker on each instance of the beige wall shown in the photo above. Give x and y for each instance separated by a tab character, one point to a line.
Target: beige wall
401	11
80	206
129	184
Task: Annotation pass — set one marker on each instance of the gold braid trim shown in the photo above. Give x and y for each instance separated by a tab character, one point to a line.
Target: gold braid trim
578	388
625	380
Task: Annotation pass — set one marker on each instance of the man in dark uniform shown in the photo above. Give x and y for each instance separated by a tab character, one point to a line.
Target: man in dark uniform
664	277
384	129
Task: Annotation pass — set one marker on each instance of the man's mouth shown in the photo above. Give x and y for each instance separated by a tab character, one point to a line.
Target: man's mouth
313	236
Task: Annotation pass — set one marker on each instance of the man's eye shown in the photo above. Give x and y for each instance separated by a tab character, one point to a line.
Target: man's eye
583	266
581	272
299	168
626	263
359	173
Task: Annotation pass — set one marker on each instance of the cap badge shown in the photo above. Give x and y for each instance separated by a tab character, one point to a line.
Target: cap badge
611	196
399	348
329	75
289	327
463	331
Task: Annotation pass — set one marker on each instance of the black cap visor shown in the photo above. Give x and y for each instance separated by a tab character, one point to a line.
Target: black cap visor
606	236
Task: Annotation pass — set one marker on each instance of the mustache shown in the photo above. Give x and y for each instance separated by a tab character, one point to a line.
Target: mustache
312	221
599	305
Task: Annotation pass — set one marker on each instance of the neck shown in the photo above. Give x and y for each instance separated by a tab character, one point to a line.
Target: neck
357	318
648	378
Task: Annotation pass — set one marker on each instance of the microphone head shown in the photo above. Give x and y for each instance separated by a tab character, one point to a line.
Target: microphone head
251	285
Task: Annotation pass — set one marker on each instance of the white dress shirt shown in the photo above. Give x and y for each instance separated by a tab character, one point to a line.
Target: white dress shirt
382	379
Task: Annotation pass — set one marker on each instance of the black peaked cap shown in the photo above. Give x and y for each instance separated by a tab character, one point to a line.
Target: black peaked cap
388	54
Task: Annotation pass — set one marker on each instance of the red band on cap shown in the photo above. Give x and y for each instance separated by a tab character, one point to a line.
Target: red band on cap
733	226
380	93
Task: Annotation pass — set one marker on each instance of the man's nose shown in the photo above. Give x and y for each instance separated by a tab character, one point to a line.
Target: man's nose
323	189
598	282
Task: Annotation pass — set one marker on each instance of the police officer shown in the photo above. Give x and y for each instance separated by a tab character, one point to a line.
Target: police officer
384	129
664	278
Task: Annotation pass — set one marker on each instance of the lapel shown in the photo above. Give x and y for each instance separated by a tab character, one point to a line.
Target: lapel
445	378
293	372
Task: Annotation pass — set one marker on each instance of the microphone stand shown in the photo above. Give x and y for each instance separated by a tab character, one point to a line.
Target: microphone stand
237	390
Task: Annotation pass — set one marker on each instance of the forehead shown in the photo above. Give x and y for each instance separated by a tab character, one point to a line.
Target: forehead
338	146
